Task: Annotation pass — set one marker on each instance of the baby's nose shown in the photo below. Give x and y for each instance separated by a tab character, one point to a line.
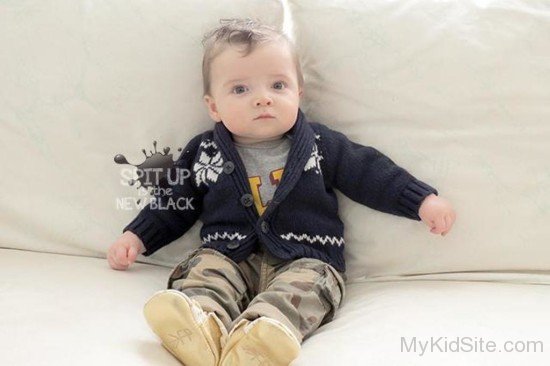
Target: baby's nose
264	101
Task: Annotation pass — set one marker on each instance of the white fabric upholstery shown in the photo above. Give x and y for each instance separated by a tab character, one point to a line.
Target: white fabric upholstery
83	81
377	315
67	310
455	92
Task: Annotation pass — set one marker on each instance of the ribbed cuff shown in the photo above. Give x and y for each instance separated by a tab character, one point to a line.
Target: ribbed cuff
412	197
149	231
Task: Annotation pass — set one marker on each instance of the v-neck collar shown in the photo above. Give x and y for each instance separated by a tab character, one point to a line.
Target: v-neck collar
302	138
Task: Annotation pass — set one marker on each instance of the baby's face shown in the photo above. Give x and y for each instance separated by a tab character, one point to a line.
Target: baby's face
243	88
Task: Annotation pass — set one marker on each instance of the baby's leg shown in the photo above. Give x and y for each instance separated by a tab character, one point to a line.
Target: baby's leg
214	281
205	292
303	295
298	297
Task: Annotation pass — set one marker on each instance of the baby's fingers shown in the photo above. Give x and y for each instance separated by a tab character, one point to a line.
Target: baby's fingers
132	255
113	263
121	256
449	221
439	226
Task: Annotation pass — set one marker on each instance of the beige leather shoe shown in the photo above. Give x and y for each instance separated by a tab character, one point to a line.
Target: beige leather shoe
264	341
188	332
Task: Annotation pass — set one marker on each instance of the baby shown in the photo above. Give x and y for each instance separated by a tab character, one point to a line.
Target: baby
271	267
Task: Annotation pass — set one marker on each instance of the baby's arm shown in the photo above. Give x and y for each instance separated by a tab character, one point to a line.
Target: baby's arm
367	176
158	225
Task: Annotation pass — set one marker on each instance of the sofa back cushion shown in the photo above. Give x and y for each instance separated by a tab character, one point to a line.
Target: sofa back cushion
458	94
83	81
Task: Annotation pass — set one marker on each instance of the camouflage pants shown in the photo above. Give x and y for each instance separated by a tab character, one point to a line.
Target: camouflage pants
302	294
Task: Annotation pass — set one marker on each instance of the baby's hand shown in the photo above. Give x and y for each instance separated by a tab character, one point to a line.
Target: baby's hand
123	252
437	213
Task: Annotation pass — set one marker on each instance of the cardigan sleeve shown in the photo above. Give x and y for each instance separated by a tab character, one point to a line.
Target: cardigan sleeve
367	176
167	218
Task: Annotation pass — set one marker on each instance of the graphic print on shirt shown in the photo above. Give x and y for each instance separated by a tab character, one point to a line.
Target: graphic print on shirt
256	184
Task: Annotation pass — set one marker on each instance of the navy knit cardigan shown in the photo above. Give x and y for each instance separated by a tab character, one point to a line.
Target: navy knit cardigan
302	219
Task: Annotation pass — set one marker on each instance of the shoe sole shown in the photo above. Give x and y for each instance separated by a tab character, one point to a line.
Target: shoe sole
171	318
262	343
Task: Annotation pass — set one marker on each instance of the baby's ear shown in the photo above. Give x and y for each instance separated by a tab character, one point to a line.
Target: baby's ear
212	109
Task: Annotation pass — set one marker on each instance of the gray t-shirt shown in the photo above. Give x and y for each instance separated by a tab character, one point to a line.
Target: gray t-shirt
264	163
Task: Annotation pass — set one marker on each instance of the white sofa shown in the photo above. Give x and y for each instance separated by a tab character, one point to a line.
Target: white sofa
457	92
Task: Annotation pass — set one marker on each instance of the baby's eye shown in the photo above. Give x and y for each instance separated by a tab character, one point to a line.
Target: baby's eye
279	85
239	89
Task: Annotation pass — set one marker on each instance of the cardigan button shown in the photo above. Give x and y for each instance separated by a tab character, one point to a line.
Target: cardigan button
265	227
247	200
228	167
233	245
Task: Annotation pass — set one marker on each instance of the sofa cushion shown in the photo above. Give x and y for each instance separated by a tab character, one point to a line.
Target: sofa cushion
457	93
67	310
382	322
82	82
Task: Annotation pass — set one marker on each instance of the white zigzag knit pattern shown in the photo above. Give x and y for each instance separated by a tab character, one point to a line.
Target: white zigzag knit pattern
225	235
333	240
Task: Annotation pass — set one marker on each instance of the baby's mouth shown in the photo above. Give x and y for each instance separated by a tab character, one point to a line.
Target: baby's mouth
264	116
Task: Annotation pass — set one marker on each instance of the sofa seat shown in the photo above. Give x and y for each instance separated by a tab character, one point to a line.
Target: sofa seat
66	310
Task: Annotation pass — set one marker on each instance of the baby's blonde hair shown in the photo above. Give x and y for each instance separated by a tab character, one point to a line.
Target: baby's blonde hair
248	32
